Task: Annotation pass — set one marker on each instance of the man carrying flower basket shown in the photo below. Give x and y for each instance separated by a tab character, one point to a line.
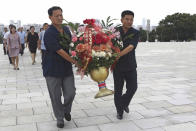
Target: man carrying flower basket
125	69
57	67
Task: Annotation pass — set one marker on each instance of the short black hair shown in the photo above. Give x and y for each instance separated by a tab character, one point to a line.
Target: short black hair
50	11
127	12
45	24
40	29
32	27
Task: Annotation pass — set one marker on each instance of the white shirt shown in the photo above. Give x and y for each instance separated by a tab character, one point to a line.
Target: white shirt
6	35
22	37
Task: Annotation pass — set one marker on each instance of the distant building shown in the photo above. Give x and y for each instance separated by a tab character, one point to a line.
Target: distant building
148	25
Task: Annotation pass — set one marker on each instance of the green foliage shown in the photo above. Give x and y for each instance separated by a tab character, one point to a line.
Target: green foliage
101	61
143	36
108	22
73	26
179	27
152	36
64	40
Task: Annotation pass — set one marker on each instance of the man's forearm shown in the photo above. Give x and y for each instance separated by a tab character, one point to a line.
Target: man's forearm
62	53
126	50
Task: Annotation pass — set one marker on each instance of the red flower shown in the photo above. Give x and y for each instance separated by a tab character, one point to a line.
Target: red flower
98	39
81	38
116	49
103	48
80	48
96	48
89	21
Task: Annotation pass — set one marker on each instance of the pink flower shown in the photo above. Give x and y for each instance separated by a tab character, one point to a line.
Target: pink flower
117	34
73	53
74	39
112	36
112	29
81	38
81	28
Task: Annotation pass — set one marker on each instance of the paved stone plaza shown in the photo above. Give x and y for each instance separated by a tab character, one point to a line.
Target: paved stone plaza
165	99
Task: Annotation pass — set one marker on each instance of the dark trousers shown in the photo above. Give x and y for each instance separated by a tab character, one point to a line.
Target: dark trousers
4	50
9	57
122	100
43	53
22	50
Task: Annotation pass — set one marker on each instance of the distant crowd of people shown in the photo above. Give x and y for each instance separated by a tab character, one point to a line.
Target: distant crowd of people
16	40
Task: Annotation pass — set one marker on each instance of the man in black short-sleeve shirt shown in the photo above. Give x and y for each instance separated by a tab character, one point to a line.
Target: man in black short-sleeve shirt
125	69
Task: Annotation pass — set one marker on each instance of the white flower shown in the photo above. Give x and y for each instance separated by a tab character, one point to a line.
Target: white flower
120	43
79	34
98	54
71	44
102	54
109	54
93	53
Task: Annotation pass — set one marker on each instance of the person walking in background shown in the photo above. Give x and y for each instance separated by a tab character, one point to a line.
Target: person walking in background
125	69
22	40
41	29
4	41
32	41
5	37
57	68
14	46
26	34
41	40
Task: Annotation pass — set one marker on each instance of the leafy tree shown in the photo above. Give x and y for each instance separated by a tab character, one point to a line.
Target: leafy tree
179	27
152	36
143	36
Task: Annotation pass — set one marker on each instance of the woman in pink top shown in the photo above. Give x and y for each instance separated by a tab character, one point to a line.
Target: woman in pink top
14	46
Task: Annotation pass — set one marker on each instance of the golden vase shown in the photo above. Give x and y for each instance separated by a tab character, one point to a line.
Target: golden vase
100	75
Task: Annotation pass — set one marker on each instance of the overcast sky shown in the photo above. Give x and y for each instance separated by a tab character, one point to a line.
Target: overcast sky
35	11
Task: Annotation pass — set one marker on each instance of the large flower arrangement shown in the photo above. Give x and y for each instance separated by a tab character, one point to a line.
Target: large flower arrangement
94	46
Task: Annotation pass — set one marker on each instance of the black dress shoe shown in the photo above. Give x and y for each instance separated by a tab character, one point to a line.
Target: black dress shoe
67	116
126	109
60	123
119	116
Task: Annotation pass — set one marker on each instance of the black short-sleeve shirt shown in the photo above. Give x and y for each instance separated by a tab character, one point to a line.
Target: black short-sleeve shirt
128	61
32	39
53	64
